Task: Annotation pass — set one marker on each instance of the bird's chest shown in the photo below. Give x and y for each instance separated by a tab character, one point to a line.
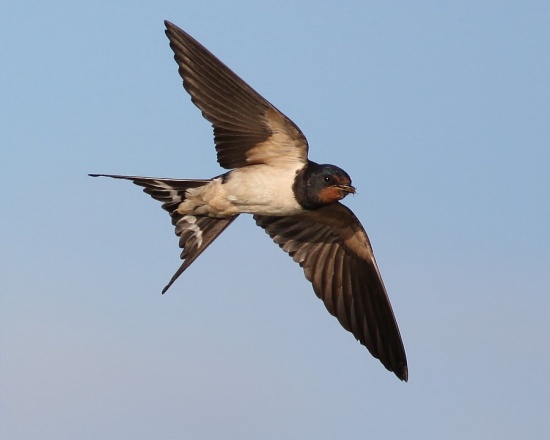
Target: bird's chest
262	189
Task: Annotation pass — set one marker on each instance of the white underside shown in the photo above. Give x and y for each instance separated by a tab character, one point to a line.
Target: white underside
255	189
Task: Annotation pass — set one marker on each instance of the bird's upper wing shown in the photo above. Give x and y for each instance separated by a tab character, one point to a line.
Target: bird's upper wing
247	128
195	232
335	253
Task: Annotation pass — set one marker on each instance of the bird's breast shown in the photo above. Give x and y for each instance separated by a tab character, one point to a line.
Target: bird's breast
261	189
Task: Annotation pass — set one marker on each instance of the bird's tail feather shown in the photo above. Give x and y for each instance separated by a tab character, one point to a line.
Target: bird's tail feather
171	192
195	232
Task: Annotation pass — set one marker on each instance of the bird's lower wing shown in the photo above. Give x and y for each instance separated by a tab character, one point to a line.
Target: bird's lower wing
333	249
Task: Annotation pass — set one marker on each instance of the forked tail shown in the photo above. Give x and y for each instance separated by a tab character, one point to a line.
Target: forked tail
195	232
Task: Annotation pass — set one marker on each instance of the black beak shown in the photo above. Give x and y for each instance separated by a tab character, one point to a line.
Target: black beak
347	188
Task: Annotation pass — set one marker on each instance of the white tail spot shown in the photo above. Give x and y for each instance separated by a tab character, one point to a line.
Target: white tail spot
192	220
176	198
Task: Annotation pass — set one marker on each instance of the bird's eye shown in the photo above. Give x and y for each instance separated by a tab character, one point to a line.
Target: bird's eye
328	179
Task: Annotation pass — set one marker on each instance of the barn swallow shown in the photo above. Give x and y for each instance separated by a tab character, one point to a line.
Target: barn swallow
295	200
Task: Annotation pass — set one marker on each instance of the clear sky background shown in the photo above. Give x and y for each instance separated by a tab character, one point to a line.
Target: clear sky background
440	113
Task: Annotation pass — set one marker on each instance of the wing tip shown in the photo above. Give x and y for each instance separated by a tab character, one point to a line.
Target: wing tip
169	25
402	372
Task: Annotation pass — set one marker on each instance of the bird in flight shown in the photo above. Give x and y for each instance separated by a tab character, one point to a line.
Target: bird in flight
295	200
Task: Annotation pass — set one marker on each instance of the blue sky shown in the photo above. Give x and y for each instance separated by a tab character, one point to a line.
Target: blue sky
439	112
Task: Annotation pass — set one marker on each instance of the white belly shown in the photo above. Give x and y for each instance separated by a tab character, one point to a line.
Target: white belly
255	189
263	189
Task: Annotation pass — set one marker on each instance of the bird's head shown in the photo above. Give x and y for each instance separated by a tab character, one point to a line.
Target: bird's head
321	185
